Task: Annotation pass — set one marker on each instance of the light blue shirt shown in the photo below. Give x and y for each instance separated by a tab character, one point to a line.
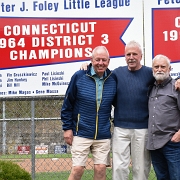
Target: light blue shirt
99	85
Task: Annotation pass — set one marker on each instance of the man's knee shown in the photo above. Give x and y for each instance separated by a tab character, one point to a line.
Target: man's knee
77	172
100	170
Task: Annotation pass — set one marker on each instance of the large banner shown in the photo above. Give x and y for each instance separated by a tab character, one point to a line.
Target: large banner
42	43
162	31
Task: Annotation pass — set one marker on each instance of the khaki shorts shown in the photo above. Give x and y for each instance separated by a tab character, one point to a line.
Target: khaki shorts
81	147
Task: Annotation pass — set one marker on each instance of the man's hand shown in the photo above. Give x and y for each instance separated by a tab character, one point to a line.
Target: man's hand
84	66
177	85
68	137
176	137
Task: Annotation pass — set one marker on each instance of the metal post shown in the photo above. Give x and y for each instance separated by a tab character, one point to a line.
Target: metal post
4	130
32	140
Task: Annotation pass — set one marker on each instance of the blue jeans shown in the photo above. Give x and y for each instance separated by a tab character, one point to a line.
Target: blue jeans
166	161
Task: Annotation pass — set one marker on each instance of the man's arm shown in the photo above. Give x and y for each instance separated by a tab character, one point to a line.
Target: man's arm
177	84
84	66
67	108
68	136
67	111
176	136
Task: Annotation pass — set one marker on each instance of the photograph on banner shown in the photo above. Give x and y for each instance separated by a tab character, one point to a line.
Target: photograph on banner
43	43
162	32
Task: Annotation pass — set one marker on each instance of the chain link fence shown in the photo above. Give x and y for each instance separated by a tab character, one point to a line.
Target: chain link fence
32	137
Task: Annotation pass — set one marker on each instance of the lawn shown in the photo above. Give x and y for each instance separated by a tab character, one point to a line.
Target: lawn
88	175
63	175
37	156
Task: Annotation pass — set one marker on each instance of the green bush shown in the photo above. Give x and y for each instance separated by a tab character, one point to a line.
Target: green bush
11	171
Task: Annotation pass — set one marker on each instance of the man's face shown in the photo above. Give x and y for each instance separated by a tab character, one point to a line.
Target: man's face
100	62
161	69
133	57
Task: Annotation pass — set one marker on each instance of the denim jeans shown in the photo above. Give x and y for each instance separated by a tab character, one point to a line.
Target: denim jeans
166	161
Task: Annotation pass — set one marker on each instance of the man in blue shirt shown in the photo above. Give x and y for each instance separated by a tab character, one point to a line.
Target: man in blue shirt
131	117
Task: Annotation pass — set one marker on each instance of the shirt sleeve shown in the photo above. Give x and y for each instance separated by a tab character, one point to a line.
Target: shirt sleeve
68	104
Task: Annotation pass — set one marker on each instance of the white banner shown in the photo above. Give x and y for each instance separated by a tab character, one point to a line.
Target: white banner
42	43
41	149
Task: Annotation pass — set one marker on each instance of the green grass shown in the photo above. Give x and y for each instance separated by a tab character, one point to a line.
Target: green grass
88	175
53	176
63	175
37	156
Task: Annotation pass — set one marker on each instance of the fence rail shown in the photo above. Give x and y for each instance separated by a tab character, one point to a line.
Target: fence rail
32	136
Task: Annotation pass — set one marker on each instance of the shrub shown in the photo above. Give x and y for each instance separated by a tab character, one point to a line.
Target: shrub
11	171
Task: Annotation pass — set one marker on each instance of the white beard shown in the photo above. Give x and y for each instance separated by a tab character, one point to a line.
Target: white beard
160	76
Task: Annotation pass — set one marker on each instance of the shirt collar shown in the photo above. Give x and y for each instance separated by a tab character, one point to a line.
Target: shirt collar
93	73
164	83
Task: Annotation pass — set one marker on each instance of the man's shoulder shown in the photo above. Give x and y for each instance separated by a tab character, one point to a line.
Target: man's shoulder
173	81
146	68
120	68
80	72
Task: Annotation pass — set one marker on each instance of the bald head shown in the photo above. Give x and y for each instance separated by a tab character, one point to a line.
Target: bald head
100	60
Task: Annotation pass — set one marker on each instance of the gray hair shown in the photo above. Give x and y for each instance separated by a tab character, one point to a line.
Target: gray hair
133	43
159	56
99	47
